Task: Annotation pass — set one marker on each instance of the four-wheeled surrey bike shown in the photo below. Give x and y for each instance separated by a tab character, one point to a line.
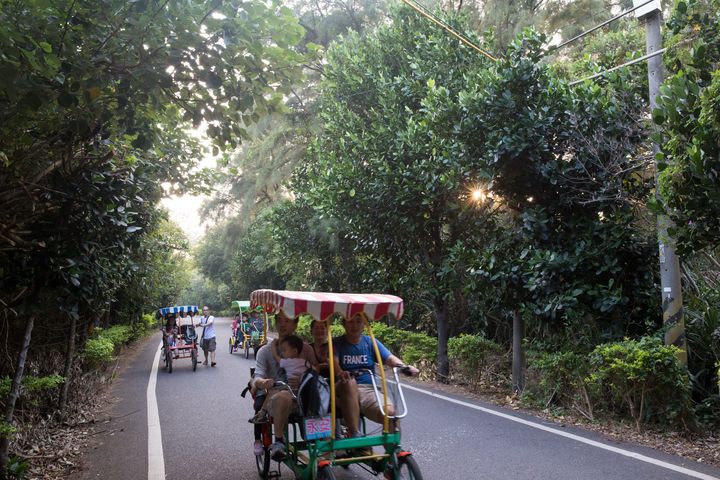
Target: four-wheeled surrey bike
249	329
179	342
315	445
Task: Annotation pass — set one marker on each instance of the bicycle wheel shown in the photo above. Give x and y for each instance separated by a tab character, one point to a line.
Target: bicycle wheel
325	473
409	468
247	350
169	360
230	345
193	358
262	462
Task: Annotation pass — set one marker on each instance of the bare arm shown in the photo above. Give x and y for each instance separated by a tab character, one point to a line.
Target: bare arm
263	369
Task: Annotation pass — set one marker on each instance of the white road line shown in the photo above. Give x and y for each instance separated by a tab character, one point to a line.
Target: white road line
627	453
156	459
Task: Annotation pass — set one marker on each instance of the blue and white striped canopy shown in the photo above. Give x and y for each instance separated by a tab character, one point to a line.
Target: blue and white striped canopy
178	308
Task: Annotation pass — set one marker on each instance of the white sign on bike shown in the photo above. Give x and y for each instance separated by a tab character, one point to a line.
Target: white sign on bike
318	427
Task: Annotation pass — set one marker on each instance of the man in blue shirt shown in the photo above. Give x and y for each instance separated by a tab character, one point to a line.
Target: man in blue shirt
354	351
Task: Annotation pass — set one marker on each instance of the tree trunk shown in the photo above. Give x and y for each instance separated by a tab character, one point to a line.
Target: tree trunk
518	356
83	334
14	394
441	318
68	366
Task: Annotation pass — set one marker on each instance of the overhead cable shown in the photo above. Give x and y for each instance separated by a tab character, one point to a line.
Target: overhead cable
422	11
637	60
587	32
627	64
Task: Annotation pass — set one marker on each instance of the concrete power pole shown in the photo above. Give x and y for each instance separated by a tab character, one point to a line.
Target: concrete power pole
673	317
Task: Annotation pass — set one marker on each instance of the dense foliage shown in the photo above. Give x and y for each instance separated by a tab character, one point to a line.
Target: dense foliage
97	105
477	190
397	160
689	114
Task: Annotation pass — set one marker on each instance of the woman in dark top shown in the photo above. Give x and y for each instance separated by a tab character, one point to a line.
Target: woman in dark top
318	330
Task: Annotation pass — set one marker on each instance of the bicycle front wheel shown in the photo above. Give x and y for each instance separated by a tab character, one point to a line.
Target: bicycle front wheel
262	462
325	473
408	468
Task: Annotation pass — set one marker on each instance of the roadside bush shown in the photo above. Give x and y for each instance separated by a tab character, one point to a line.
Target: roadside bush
559	378
119	335
98	351
17	468
41	391
473	358
414	348
303	328
31	384
707	412
393	338
145	326
35	391
703	342
38	384
644	379
6	430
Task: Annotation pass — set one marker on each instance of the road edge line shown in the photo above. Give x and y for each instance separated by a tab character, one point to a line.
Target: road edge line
620	451
156	458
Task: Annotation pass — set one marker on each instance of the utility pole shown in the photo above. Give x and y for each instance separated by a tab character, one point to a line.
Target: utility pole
518	354
673	317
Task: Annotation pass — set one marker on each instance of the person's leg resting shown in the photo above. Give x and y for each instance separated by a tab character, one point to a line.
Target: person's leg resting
279	406
369	405
347	394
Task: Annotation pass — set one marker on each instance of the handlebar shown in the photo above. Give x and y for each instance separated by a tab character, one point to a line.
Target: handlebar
404	369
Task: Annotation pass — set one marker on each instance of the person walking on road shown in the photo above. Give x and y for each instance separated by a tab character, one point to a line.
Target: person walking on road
208	341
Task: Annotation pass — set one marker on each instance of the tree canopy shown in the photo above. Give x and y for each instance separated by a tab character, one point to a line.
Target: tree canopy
101	103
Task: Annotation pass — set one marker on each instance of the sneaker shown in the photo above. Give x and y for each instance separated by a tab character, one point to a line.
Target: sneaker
277	451
258	448
213	364
260	417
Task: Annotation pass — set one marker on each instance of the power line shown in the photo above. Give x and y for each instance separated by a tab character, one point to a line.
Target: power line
587	32
422	11
632	62
627	64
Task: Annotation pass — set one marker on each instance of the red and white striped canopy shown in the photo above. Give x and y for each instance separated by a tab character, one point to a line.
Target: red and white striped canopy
322	305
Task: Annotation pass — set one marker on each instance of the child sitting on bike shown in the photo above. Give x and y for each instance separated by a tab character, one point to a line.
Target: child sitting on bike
236	326
170	329
292	369
256	322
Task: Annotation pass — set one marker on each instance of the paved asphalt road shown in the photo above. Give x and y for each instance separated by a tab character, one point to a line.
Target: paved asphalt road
205	433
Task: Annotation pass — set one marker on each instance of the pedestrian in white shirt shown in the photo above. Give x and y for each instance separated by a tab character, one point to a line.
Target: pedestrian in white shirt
207	321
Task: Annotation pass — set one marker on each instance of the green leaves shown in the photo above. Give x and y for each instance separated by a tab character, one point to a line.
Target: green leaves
688	111
644	379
